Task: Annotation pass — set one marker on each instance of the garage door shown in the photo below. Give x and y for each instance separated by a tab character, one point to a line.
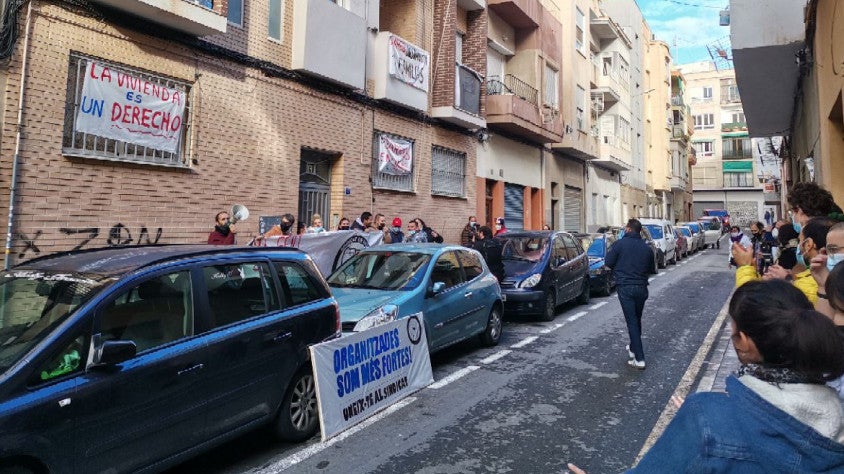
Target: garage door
514	206
572	209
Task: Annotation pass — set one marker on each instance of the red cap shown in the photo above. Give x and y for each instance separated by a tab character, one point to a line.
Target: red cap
397	222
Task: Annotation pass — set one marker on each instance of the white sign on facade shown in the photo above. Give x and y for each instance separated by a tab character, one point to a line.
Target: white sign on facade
395	156
120	106
408	63
366	372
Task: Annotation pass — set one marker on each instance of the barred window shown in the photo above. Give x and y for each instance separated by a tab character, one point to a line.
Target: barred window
390	179
80	144
448	172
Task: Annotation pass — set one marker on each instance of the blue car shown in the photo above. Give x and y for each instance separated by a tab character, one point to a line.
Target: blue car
449	284
600	277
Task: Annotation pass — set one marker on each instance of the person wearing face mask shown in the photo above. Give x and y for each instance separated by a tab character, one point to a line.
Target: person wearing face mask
415	234
378	224
500	228
808	200
343	224
284	229
787	238
811	241
738	237
224	232
316	225
823	263
467	237
394	235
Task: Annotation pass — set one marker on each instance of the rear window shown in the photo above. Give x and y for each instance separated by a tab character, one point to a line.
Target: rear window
596	248
655	230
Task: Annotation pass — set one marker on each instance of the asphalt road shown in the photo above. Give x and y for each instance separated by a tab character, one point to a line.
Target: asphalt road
550	393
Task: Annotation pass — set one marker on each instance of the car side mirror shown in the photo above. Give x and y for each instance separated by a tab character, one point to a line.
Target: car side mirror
114	352
436	288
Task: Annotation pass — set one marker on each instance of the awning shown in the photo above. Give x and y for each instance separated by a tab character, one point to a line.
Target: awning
734	134
737	166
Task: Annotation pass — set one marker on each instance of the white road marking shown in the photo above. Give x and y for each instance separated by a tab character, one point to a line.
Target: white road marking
671	269
495	356
650	279
660	274
552	328
576	316
313	449
451	378
524	342
598	305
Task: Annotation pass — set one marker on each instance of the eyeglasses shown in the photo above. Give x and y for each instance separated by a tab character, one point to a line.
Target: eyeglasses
830	249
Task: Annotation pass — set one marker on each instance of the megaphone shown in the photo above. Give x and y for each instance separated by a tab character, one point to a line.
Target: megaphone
239	212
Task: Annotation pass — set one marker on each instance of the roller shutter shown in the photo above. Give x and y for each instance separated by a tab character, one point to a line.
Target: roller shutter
572	209
514	206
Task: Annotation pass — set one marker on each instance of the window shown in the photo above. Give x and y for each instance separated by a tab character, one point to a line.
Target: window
738	117
623	130
551	97
472	265
70	359
79	143
738	180
155	312
580	105
623	71
235	14
448	172
704	149
704	121
447	270
209	4
239	291
276	25
458	48
707	93
580	27
559	254
572	248
297	286
382	176
495	65
736	148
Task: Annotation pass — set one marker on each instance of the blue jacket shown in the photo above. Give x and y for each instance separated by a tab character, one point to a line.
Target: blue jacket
739	432
631	260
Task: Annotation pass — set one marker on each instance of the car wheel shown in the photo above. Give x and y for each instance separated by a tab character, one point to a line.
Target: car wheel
607	287
660	260
492	333
656	265
297	419
583	297
550	310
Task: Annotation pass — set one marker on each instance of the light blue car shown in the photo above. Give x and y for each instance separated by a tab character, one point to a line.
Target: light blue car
449	284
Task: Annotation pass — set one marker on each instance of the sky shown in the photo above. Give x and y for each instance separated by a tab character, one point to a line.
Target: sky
688	26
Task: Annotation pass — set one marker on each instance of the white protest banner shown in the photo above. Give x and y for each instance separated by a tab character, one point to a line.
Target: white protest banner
124	107
395	156
328	250
408	63
366	372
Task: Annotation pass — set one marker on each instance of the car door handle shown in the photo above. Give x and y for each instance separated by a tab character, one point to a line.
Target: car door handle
282	336
467	295
191	369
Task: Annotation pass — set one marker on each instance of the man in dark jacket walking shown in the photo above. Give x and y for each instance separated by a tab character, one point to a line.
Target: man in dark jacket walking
631	260
490	249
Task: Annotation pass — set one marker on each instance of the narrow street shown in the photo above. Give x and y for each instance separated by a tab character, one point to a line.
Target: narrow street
550	393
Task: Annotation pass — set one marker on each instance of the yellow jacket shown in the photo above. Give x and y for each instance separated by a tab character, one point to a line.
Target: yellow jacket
803	281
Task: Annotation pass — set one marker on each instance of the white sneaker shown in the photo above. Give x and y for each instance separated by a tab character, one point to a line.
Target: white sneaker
636	364
630	355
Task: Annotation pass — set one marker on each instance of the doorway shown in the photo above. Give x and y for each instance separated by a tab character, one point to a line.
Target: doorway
314	185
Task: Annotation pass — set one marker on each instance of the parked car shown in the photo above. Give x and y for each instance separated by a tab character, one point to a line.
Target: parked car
543	269
663	235
723	215
699	238
129	359
682	248
610	229
712	231
600	276
450	284
646	236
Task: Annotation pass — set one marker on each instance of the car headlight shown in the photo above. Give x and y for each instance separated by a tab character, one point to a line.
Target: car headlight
531	281
377	317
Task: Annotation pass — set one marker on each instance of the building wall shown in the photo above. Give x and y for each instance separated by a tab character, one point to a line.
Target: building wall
562	171
248	130
603	198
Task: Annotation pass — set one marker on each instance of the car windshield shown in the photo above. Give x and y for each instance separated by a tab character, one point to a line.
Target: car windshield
596	248
586	241
655	230
528	248
694	226
686	232
382	270
711	224
32	303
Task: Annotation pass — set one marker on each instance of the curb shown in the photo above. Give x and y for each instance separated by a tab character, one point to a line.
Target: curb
685	386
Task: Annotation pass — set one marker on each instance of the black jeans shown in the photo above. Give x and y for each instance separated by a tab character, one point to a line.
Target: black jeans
632	299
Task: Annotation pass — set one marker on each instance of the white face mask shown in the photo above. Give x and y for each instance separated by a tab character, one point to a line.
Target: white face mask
497	226
834	259
734	234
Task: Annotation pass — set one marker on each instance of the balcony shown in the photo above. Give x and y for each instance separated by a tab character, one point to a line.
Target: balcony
744	154
518	13
471	5
606	29
512	106
677	183
467	100
400	71
196	18
614	154
734	127
329	42
677	101
680	131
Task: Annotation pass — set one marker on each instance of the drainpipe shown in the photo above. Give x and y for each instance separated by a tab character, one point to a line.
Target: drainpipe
18	139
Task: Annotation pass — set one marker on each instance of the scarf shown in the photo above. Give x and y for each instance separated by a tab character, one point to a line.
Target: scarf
776	375
224	230
736	239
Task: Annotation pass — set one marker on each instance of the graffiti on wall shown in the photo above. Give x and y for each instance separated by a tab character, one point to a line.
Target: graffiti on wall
118	235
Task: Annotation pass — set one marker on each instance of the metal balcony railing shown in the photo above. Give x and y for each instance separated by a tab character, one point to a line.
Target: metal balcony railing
677	100
511	85
729	154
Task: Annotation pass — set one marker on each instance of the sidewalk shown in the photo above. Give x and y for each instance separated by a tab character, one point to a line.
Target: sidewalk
721	362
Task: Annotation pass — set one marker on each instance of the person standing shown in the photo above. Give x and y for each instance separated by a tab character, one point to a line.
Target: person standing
631	261
430	233
415	234
394	235
491	250
768	217
467	237
284	229
379	222
362	222
500	228
343	224
224	232
316	225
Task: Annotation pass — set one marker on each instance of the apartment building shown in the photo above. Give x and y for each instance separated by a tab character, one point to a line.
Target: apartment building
725	175
682	154
658	124
523	82
335	107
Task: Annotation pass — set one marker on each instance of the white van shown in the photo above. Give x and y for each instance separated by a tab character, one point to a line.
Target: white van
663	234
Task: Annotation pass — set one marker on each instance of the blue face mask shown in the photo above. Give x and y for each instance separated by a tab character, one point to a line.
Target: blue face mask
834	259
797	227
799	254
